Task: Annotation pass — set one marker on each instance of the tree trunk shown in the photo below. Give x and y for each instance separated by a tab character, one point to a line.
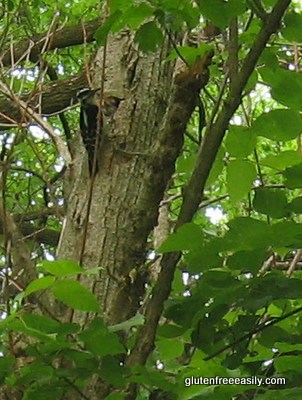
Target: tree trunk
130	184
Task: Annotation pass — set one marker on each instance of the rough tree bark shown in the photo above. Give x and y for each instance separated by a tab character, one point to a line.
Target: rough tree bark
137	161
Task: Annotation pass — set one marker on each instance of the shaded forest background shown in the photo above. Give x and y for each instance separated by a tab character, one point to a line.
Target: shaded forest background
182	257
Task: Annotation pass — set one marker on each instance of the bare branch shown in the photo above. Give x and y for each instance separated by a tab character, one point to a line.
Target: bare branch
61	38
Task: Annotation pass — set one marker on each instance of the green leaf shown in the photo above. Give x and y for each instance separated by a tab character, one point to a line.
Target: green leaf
205	256
39	284
74	295
62	267
186	237
286	86
137	320
203	335
10	5
40	323
6	366
221	12
103	31
92	271
135	15
290	31
189	53
82	358
275	125
197	391
218	279
173	15
51	346
252	82
248	234
281	394
269	58
296	205
7	322
240	177
280	288
240	141
118	5
169	349
283	160
247	261
37	371
153	378
149	36
272	202
178	283
170	330
113	372
44	328
233	361
287	347
20	325
99	340
188	13
293	176
185	164
288	363
43	391
218	311
182	312
286	233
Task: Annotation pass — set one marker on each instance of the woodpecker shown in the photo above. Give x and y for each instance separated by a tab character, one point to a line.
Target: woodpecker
94	117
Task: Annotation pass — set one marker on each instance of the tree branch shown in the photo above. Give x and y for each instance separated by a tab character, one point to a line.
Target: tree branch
47	236
61	38
184	99
53	98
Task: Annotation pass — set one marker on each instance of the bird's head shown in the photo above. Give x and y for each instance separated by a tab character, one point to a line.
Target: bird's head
89	96
110	105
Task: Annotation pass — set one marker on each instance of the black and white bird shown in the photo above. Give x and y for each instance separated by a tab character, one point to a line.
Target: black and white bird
94	117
